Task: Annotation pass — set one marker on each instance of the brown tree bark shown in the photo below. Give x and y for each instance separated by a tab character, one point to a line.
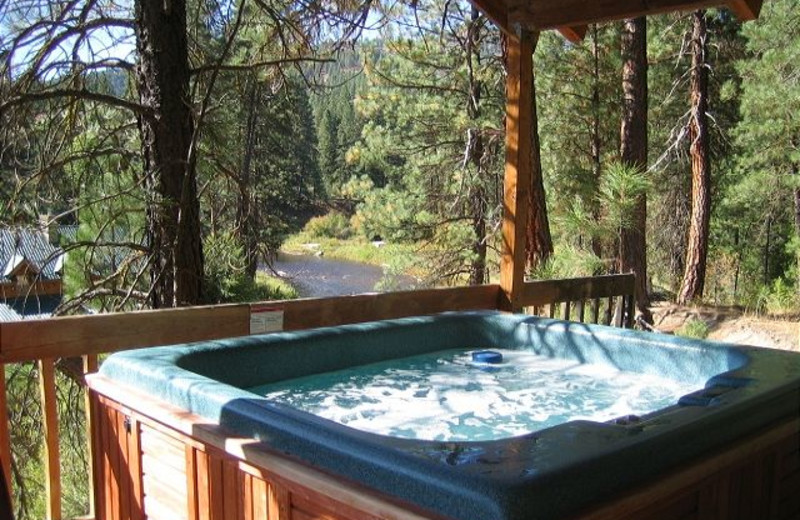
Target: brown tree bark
245	227
633	152
475	155
539	243
697	246
596	141
173	211
796	198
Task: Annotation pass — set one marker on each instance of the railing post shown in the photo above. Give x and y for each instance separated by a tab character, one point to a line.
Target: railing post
5	439
47	386
90	367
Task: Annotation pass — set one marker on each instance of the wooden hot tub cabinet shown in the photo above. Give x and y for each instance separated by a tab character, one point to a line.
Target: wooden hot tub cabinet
160	463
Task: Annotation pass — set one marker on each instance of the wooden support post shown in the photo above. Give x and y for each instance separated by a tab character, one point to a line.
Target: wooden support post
517	180
47	386
5	439
90	367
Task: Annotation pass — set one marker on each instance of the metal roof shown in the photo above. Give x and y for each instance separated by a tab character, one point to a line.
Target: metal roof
31	245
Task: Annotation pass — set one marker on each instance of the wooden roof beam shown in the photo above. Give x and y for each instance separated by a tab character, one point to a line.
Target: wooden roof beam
496	11
574	34
540	15
745	10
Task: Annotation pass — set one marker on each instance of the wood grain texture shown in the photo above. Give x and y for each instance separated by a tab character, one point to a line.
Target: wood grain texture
554	14
574	34
75	336
134	465
570	17
164	475
203	486
321	312
87	335
52	458
573	289
89	367
261	495
112	468
732	483
279	502
283	477
757	477
745	10
123	469
496	11
517	176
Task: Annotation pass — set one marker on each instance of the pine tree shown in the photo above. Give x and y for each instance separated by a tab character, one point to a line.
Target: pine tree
697	251
633	153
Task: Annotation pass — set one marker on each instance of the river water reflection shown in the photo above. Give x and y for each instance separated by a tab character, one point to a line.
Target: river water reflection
319	276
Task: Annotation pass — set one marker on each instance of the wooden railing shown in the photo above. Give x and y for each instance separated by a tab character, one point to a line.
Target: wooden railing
607	300
85	337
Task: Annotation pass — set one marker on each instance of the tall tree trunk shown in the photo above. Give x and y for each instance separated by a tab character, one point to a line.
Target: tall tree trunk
697	247
173	211
539	243
245	226
596	144
477	274
796	196
633	152
475	154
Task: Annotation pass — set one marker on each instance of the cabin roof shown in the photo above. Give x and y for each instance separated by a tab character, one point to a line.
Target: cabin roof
571	17
31	249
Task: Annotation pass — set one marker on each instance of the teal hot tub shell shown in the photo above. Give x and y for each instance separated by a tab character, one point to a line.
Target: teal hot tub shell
544	474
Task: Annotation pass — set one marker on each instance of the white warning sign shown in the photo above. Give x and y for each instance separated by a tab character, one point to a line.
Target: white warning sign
265	319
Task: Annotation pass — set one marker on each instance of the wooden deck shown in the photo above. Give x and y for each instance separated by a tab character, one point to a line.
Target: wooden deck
605	299
166	464
173	465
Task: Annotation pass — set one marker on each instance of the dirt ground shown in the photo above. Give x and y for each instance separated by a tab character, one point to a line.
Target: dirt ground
732	325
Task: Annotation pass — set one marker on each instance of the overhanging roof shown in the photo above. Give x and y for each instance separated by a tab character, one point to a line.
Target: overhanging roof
571	17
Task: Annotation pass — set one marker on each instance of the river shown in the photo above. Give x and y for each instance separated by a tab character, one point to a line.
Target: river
319	276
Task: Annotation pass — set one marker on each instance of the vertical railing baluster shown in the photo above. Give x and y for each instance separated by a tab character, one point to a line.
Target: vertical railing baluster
619	309
596	311
47	386
89	367
552	309
630	310
609	310
5	438
579	310
566	310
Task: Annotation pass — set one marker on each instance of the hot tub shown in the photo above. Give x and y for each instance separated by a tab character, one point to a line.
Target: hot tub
556	472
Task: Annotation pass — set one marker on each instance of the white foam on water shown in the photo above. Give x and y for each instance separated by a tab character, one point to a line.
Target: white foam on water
445	396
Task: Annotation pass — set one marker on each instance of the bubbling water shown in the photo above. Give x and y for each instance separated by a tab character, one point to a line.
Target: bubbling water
445	396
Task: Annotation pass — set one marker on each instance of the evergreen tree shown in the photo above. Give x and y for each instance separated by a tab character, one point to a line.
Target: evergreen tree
698	135
434	111
633	153
765	202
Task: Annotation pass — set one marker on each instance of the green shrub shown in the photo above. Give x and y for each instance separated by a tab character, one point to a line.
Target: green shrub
693	328
570	261
394	215
271	288
778	298
226	279
332	225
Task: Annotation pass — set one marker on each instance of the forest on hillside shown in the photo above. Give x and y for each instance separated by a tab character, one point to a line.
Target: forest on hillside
187	148
387	121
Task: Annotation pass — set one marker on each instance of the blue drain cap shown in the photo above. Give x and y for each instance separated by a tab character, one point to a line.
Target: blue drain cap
487	356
